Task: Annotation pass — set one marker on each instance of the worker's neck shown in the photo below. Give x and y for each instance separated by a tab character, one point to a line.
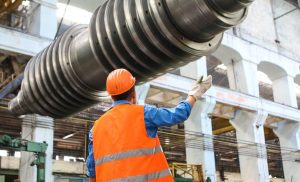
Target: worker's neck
132	100
119	102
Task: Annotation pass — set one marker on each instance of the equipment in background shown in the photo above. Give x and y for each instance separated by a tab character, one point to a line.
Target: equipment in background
38	149
187	173
9	5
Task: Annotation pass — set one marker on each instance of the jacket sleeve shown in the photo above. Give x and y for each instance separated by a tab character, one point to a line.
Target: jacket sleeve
158	117
90	161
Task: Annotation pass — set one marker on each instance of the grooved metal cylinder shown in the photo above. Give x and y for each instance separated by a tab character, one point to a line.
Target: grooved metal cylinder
147	37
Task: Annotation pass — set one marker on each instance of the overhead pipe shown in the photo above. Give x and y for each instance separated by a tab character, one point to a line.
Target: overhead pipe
147	37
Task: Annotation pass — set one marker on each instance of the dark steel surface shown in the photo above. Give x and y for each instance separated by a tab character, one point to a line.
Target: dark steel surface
147	37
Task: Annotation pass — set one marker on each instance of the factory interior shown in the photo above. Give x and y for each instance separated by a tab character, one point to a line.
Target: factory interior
55	56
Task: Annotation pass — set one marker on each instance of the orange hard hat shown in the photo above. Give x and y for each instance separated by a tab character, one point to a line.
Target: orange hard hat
119	81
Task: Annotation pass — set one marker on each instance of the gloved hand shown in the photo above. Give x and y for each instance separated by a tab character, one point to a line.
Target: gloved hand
200	87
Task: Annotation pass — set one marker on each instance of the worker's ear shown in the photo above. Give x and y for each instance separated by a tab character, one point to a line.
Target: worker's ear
112	99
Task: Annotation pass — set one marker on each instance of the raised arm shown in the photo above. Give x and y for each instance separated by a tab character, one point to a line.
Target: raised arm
159	117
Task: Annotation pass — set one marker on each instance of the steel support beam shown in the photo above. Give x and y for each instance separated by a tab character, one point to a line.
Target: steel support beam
11	86
22	43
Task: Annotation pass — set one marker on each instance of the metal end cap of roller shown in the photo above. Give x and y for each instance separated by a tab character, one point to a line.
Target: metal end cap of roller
202	20
16	107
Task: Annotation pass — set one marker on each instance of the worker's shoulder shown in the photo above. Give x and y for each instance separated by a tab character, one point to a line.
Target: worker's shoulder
106	114
132	108
137	105
150	107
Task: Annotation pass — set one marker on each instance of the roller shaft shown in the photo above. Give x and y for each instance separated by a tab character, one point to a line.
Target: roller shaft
147	37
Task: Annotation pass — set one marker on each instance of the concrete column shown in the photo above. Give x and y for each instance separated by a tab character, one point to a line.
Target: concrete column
39	129
284	91
198	131
194	69
251	145
44	20
289	136
242	77
142	92
288	132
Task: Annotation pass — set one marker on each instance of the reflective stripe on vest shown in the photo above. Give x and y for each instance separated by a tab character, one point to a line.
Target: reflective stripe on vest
145	177
127	154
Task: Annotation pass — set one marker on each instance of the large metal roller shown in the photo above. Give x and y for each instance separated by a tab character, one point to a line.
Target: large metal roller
147	37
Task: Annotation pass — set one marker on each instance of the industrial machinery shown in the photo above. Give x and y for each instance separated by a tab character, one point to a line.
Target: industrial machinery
181	170
147	37
9	5
39	150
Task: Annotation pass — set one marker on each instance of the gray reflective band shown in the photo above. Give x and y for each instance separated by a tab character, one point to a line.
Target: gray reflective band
145	177
127	154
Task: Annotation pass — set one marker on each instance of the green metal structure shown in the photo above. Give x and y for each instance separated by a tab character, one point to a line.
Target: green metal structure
183	180
38	149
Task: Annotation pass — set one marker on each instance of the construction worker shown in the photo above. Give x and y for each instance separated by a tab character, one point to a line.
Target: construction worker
124	145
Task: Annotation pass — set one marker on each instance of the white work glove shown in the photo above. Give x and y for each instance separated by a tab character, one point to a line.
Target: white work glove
200	87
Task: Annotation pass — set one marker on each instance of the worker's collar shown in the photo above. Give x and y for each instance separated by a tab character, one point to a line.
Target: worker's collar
115	103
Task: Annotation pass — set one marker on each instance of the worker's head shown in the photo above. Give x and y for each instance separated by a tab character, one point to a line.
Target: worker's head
120	85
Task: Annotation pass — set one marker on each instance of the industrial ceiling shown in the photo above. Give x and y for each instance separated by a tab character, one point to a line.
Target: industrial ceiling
89	5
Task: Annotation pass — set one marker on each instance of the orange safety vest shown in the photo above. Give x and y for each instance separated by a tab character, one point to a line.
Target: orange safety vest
123	151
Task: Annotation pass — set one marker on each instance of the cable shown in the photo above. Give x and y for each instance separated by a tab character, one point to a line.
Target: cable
61	20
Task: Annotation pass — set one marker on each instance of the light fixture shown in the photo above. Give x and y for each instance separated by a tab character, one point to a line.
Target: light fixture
228	160
222	67
68	136
174	153
26	3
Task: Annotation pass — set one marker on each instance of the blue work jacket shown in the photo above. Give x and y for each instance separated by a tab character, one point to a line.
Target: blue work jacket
154	118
